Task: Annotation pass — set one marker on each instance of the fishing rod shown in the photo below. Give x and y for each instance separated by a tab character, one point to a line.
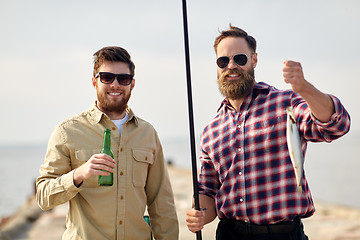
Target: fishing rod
191	117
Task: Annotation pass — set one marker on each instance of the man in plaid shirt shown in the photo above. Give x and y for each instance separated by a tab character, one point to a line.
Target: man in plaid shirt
247	178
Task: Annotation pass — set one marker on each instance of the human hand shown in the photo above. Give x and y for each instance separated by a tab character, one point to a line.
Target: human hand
98	164
195	220
293	74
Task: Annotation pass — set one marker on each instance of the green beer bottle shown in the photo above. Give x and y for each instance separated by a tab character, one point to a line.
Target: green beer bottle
107	180
147	219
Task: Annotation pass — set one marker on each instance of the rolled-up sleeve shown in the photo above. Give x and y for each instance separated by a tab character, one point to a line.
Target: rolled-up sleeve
208	179
317	131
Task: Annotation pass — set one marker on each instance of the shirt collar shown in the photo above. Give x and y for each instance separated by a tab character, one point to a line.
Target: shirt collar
96	114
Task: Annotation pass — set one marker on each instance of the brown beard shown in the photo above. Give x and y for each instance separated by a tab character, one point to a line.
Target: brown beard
112	107
239	88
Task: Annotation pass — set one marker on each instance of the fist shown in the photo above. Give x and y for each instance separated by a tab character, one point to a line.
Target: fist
195	220
293	75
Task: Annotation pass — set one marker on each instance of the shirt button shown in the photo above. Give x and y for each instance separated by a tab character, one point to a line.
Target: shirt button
239	150
120	222
113	128
121	197
121	173
241	200
240	173
121	149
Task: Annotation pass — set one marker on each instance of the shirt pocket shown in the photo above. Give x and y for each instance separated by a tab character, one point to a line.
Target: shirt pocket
82	156
143	158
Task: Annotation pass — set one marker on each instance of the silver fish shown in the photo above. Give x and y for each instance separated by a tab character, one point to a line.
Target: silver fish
294	146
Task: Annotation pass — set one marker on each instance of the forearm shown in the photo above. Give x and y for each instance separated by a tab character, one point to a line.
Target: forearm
320	104
208	205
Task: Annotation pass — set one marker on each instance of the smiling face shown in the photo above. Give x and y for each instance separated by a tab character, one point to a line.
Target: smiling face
235	81
113	97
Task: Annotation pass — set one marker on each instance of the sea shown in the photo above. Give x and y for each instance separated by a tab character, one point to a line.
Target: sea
332	170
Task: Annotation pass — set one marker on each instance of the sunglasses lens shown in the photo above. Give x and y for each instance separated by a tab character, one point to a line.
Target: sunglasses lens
106	77
222	62
240	59
124	79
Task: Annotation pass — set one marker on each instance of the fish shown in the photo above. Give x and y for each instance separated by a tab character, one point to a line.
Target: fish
294	147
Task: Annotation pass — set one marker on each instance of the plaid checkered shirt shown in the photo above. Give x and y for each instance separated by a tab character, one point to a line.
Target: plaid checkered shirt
245	163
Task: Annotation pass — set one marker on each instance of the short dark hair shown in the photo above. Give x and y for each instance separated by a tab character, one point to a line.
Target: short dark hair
235	32
112	54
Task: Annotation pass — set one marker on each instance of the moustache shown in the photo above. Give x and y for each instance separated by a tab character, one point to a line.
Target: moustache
235	71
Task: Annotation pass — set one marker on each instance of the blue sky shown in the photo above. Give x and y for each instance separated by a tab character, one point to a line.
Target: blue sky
46	56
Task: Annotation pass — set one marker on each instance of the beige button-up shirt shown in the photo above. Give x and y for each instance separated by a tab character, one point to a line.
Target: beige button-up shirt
140	180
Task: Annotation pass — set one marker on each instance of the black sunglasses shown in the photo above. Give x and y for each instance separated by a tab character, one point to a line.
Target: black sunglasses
107	78
239	59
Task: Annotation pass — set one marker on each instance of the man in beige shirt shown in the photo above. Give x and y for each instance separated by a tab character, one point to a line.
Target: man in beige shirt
73	163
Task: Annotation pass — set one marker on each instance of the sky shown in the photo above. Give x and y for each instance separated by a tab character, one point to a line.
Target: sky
46	57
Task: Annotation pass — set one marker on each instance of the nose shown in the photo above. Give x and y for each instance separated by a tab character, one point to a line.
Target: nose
232	64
